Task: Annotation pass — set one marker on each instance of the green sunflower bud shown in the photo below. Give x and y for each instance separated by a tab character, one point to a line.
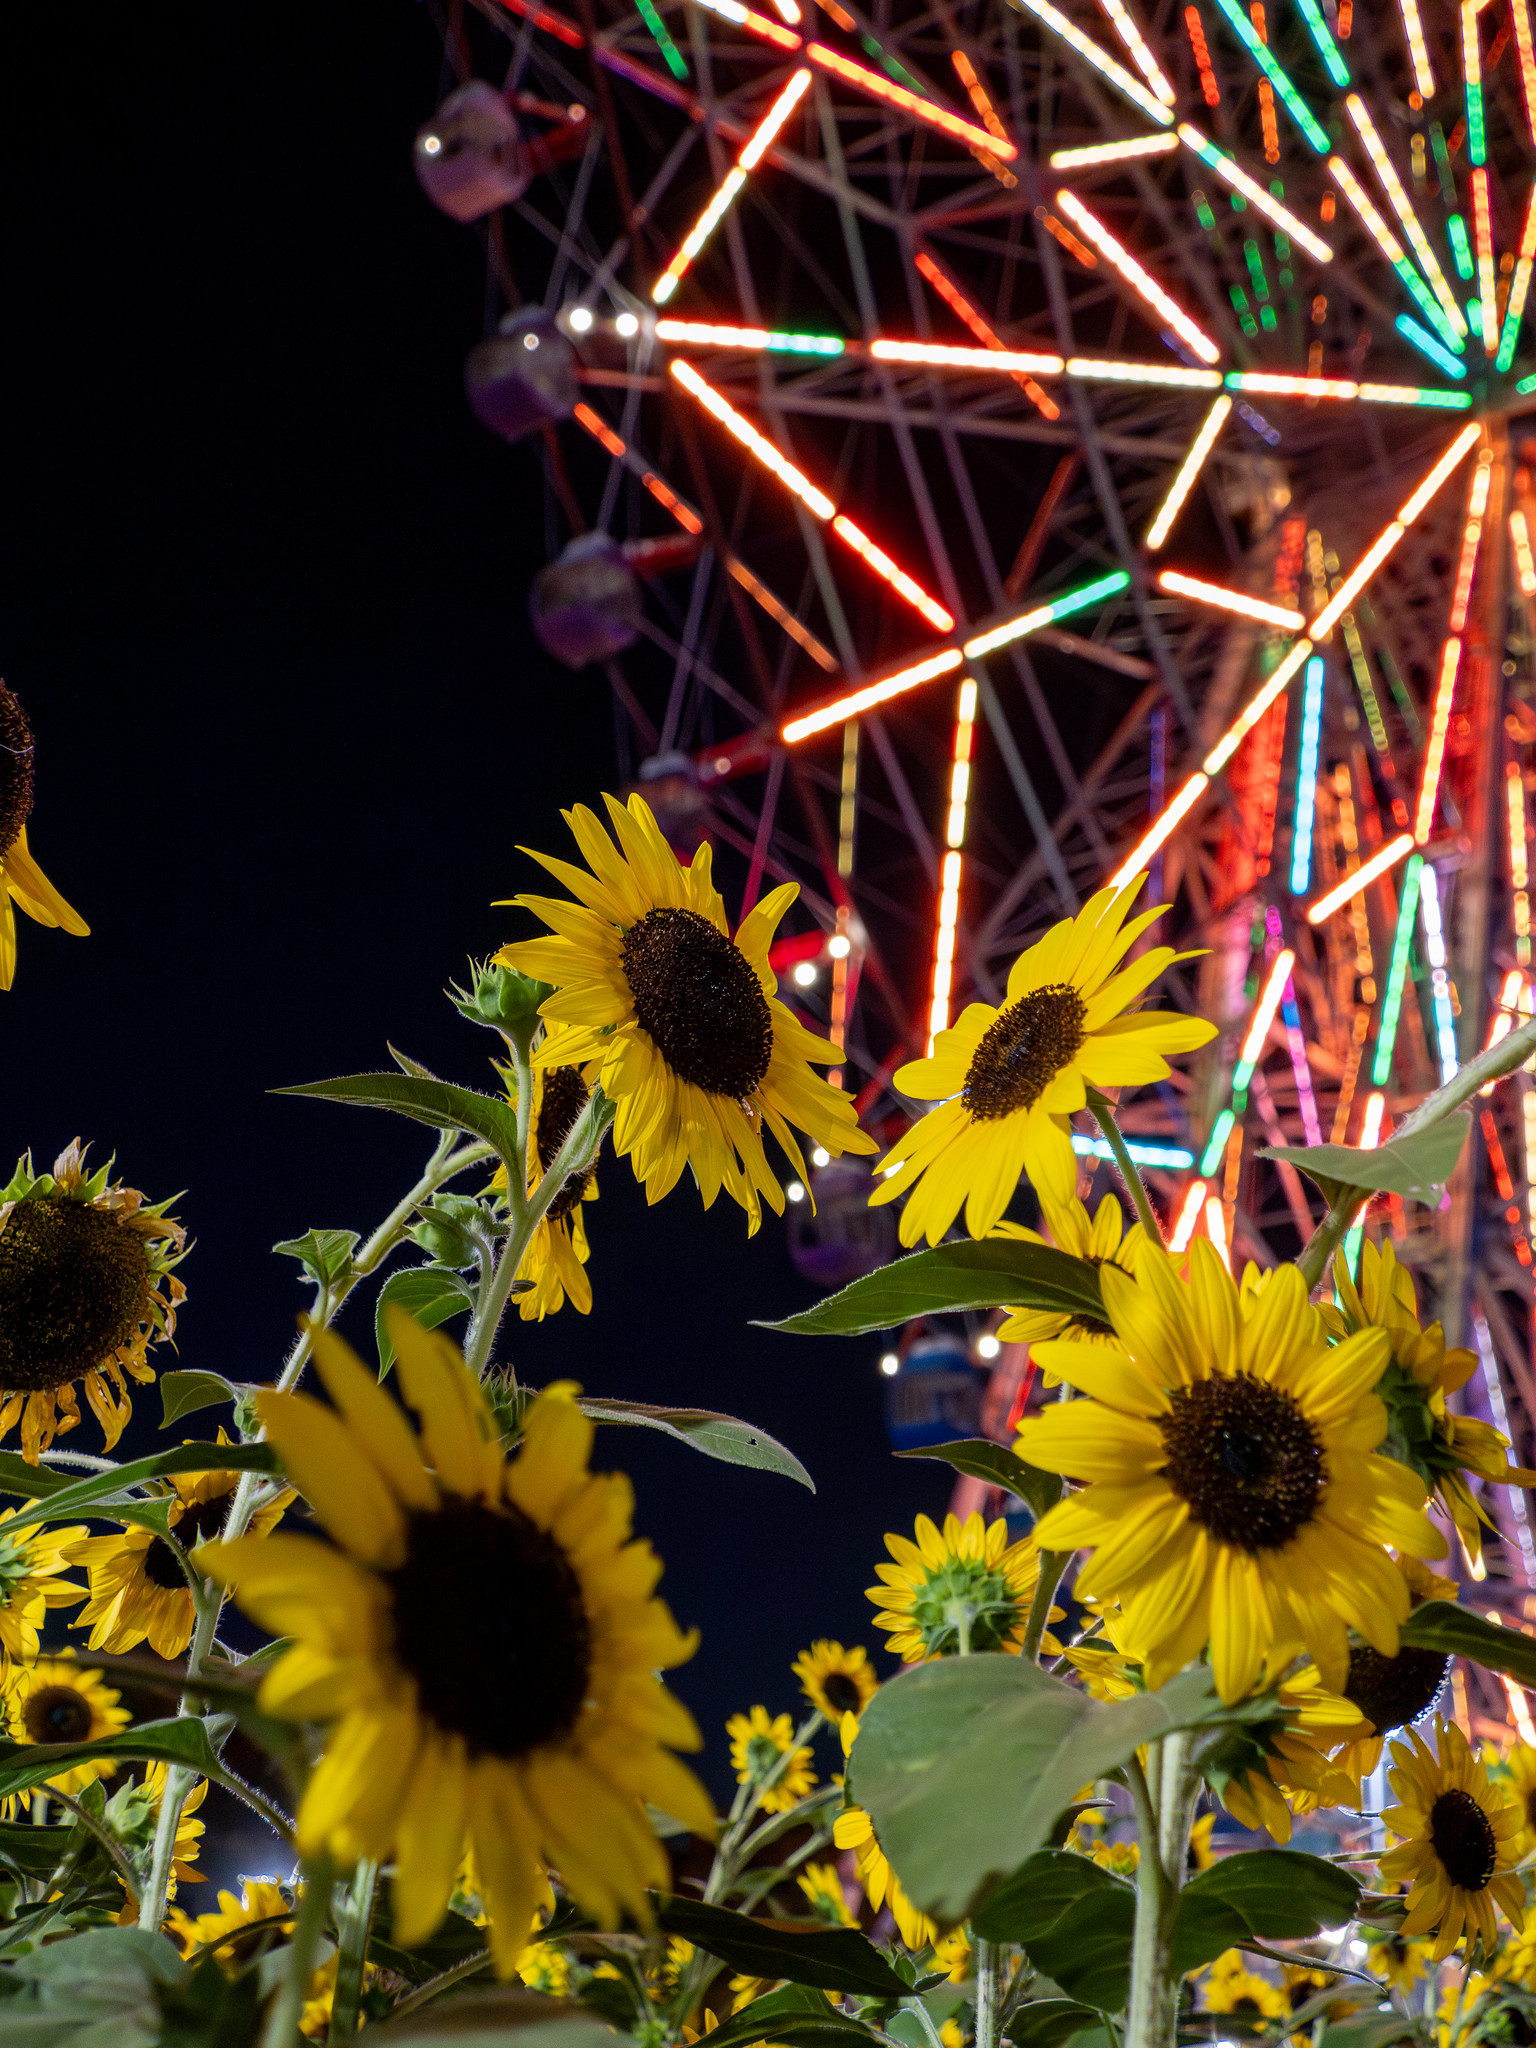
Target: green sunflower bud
502	999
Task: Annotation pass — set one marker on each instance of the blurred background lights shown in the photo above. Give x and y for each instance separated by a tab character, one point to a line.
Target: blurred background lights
839	947
796	1191
805	974
890	1364
580	318
988	1346
627	324
821	1156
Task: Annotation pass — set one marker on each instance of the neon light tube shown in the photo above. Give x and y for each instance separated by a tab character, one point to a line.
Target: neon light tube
1188	470
1439	979
1264	1014
1210	91
909	102
1418	50
944	949
1519	863
1137	277
1322	36
1437	476
1292	387
1525	564
1520	16
1179	585
1408	220
1482	242
1160	831
1261	201
755	24
1190	1211
600	430
1472	75
960	764
1141	56
1406	394
1390	247
1519	288
1249	717
1397	972
1091	370
766	132
870	697
967	74
957	302
884	350
1306	779
1461	248
1383	858
1297	1044
878	560
1111	152
1216	1229
752	154
953	873
1107	67
705	334
1295	105
1427	345
1216	1143
671	55
816	502
1434	752
1045	615
663	493
1144	1153
1471	536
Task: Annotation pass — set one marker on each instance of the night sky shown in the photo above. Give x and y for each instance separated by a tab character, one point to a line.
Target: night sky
264	585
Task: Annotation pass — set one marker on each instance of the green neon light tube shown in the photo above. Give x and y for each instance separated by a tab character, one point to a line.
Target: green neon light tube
1427	345
1327	48
1216	1144
1397	973
671	54
1461	246
1295	105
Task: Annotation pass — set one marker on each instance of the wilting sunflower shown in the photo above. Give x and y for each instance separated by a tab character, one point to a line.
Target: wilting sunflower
1098	1238
58	1700
1007	1081
31	1559
693	1045
1421	1372
483	1636
836	1681
960	1589
1458	1842
86	1286
1231	1497
139	1591
557	1254
855	1830
759	1744
822	1884
20	876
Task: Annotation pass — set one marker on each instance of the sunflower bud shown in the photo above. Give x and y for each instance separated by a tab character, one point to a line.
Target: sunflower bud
451	1230
503	1000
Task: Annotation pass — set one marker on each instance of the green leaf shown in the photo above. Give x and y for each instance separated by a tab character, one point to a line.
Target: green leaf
35	1852
1417	1166
990	1462
182	1741
427	1100
325	1255
1370	2030
1458	1632
998	1272
429	1293
495	2019
454	1942
831	1959
805	2018
105	1493
1259	1895
963	1764
717	1436
183	1393
1049	2022
1075	1921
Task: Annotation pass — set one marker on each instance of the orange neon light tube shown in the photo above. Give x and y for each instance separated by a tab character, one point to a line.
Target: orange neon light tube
1385	857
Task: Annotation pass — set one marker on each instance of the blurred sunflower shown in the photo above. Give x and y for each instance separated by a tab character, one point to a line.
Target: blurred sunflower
556	1258
961	1589
1007	1081
86	1286
1098	1238
1265	1771
21	878
139	1592
482	1633
31	1559
1232	1987
58	1700
1200	1855
261	1914
855	1830
1420	1373
1230	1498
133	1813
544	1966
1458	1842
1398	1962
1514	1774
836	1681
691	1041
759	1745
822	1884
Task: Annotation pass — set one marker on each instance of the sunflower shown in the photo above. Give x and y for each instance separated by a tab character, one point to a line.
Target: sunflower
1200	1855
952	1953
960	1589
1095	1239
693	1046
545	1966
133	1814
1440	1446
58	1700
836	1681
822	1884
855	1830
1458	1842
557	1254
31	1559
234	1932
82	1268
758	1746
1515	1775
1268	1770
1008	1080
20	875
139	1591
483	1636
1233	1987
1398	1962
1231	1497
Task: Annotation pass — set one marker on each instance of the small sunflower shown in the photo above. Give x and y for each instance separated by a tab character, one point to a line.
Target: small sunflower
21	878
1514	1773
758	1745
58	1700
1096	1239
1458	1842
1007	1081
139	1592
1231	1497
1440	1447
1233	1988
556	1258
836	1681
1266	1771
482	1634
692	1043
545	1966
86	1286
952	1953
855	1830
31	1559
960	1589
822	1884
1398	1962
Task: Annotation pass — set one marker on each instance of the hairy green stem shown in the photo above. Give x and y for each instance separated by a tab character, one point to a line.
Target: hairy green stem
108	1841
991	1983
1104	1116
178	1783
282	2025
354	1922
444	1981
1164	1799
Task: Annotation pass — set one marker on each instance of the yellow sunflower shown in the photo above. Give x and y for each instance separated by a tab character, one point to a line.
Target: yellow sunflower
82	1269
1007	1081
58	1700
557	1254
1398	1962
822	1884
1232	1497
855	1830
836	1681
1266	1771
1233	1987
1420	1374
1098	1238
21	878
692	1043
1201	1855
139	1591
952	1954
1458	1842
31	1560
960	1589
758	1745
263	1906
1515	1775
482	1634
544	1966
133	1814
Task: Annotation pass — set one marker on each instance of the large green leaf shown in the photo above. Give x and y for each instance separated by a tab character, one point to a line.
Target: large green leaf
1259	1895
106	1493
430	1294
35	1852
1458	1632
717	1436
182	1741
1049	2022
1417	1166
982	1459
998	1272
1074	1920
795	2013
429	1101
963	1764
453	1942
829	1959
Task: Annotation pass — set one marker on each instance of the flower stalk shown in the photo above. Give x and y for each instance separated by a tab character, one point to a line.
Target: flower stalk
287	2007
1104	1116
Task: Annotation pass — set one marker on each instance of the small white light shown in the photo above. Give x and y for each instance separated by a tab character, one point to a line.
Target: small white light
530	341
580	317
795	1191
988	1346
1359	1948
890	1365
805	974
627	324
839	947
889	1171
431	145
821	1156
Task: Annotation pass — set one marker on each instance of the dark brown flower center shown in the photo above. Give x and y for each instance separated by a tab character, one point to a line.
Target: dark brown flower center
200	1523
73	1287
15	770
1392	1691
841	1693
561	1102
698	999
1463	1839
1023	1050
489	1621
1245	1458
57	1713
